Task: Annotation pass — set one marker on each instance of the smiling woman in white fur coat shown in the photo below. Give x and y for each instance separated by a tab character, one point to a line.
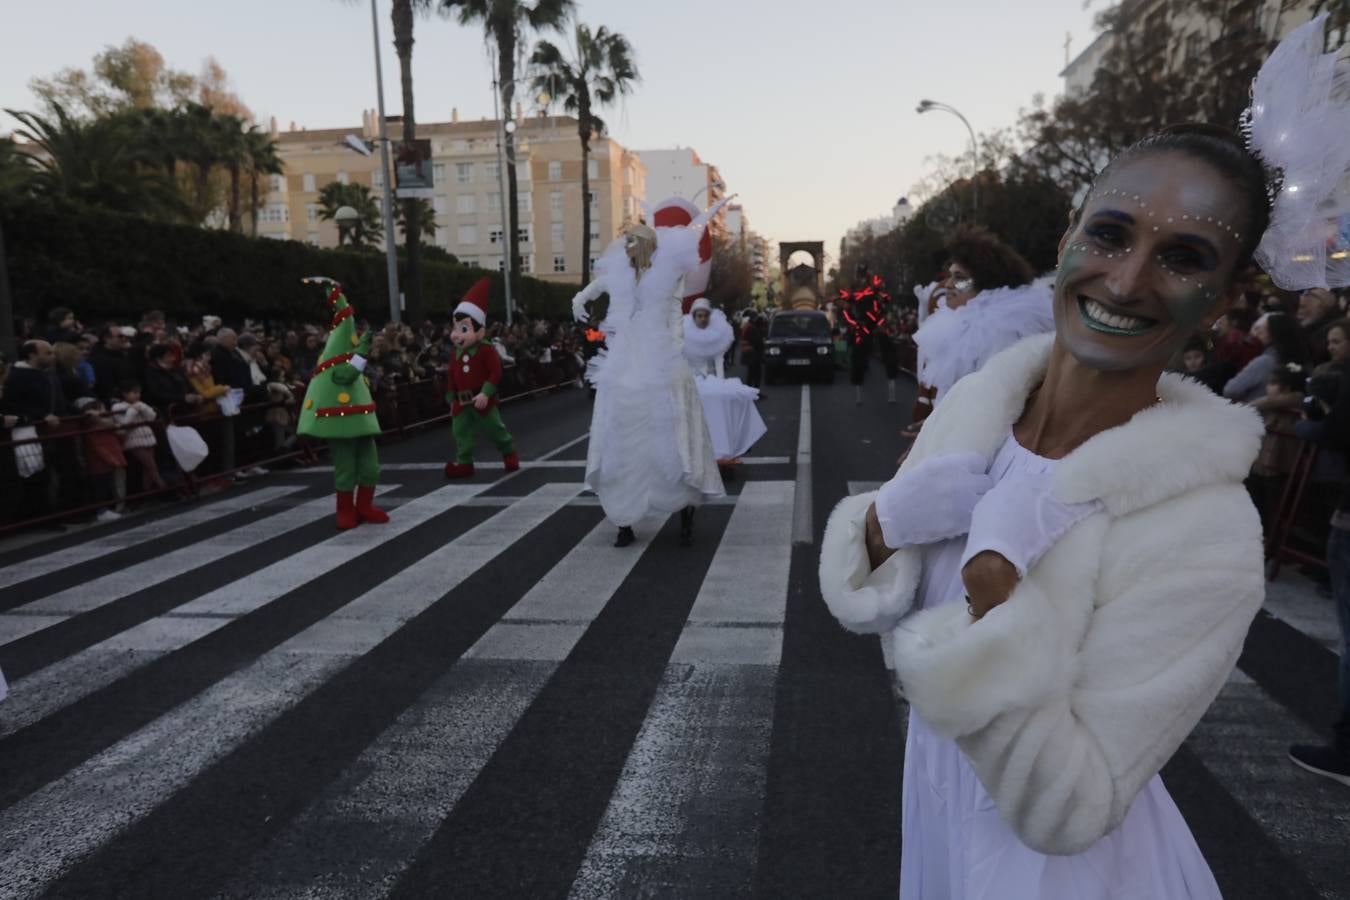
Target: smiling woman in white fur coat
1067	563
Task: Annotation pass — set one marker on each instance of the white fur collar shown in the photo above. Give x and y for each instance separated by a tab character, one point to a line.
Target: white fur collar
1193	438
710	342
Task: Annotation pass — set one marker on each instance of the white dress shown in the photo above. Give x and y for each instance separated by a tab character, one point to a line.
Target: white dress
650	453
734	423
954	844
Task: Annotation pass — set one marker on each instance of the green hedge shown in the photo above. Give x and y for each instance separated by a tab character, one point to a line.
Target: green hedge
110	266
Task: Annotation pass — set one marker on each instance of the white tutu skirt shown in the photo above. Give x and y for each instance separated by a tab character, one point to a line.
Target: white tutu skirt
734	423
650	453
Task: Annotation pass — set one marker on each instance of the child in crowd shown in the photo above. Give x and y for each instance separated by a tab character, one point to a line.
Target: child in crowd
1279	447
104	462
138	440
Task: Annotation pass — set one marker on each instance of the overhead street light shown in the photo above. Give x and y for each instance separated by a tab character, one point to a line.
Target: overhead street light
930	105
355	143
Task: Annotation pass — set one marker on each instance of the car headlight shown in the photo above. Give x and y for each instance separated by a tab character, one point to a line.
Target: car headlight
822	351
775	351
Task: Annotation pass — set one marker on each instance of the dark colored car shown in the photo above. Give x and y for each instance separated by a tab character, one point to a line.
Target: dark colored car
799	341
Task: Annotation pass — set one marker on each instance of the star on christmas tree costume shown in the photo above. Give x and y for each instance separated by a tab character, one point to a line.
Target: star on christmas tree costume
475	375
338	408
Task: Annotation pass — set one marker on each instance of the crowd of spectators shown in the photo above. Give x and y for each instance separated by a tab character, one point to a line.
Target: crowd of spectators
1286	356
83	407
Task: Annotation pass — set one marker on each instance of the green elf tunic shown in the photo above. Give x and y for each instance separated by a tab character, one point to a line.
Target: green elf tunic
338	406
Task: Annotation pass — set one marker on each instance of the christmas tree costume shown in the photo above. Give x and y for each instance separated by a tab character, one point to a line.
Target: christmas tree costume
338	408
475	375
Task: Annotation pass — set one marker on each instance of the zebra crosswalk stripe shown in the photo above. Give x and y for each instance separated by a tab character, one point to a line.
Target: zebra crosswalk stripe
703	749
169	752
81	598
82	673
415	772
154	530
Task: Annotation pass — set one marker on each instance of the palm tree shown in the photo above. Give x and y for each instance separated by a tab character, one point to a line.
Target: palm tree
367	229
600	69
233	146
99	163
425	216
263	160
505	23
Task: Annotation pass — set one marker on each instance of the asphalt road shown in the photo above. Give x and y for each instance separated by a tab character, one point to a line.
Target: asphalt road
485	699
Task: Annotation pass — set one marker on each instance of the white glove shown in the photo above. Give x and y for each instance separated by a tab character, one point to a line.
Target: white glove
358	362
579	309
1019	520
932	501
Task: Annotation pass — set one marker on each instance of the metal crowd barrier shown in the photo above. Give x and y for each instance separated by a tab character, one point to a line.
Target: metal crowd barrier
404	408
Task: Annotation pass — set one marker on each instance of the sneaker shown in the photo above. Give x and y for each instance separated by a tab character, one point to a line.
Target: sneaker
255	472
1324	761
108	515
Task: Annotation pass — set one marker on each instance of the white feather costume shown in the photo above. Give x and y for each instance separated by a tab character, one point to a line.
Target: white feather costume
952	343
728	405
650	452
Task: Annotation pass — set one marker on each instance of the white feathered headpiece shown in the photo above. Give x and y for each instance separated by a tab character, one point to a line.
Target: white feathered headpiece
1298	124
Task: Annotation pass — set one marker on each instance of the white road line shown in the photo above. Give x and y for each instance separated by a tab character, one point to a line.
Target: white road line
738	614
497	465
410	778
1243	740
56	686
121	540
692	789
81	598
802	515
49	830
591	500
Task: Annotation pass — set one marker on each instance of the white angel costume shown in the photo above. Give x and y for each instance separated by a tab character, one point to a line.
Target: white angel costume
734	423
650	453
953	343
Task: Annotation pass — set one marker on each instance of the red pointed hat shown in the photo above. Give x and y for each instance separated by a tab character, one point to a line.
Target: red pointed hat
474	304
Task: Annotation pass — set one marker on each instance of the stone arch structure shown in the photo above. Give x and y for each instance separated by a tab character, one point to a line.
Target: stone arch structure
803	283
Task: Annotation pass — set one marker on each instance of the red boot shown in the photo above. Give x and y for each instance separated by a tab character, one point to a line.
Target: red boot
458	470
346	511
512	461
366	510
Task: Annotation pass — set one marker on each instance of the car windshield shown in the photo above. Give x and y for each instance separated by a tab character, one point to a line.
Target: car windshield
799	326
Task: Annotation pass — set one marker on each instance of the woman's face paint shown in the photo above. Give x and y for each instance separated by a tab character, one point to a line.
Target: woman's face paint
1149	262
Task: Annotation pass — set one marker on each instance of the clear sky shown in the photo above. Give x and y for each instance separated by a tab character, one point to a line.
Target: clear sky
807	108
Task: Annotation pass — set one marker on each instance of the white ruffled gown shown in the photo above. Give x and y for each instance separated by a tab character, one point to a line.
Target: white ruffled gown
734	423
956	846
650	453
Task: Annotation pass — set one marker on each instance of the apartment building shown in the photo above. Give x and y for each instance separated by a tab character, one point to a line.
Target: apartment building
1196	35
467	201
682	173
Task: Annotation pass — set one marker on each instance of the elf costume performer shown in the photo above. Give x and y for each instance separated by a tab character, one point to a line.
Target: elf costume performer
474	376
338	408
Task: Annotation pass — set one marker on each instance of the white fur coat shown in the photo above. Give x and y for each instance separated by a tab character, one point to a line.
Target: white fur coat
952	343
1070	696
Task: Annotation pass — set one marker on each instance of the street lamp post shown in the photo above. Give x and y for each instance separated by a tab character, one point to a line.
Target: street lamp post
344	216
929	106
504	193
390	250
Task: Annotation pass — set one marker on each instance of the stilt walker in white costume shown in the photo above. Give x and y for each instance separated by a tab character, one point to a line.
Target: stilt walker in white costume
650	453
728	405
1067	563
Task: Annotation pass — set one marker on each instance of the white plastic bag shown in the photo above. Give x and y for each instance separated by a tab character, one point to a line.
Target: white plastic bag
27	457
230	402
187	446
